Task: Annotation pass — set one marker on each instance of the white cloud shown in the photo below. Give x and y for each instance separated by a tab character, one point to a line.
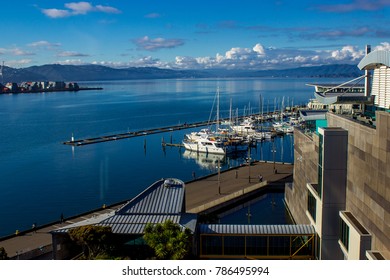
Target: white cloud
260	57
18	63
107	9
257	57
259	49
78	8
19	52
71	62
15	52
148	44
44	44
56	13
385	46
347	53
70	53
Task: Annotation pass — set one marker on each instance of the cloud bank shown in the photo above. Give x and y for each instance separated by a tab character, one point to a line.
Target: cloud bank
78	8
258	57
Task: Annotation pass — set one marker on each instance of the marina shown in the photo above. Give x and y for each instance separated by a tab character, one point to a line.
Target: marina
51	178
126	135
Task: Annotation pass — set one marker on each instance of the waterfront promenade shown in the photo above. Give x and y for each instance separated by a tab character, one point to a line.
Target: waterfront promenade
201	194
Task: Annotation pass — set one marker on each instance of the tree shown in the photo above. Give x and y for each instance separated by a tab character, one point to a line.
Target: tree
95	240
3	254
168	240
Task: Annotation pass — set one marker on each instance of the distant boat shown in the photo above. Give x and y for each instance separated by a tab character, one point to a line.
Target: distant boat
244	128
205	145
202	134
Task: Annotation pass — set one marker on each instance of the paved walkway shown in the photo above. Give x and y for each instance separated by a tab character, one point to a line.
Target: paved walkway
37	244
233	181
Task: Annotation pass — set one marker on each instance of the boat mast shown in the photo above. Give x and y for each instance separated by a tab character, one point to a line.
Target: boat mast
1	73
217	127
230	113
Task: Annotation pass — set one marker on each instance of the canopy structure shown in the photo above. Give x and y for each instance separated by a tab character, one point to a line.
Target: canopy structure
374	60
350	92
257	241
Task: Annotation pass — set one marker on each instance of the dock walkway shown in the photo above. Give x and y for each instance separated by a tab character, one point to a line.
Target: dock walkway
201	194
131	134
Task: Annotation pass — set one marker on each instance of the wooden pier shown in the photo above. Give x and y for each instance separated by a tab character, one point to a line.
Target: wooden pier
114	137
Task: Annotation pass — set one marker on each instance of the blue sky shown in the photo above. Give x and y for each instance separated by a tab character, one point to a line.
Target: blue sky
180	34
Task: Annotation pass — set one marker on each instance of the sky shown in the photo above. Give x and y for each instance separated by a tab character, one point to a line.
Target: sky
192	34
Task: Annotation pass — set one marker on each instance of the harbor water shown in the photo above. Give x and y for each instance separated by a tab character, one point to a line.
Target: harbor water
42	179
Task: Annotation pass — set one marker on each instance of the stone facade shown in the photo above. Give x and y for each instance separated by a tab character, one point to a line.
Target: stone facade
305	171
368	179
368	175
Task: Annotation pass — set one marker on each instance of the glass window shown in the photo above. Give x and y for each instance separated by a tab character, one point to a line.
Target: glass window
256	245
344	233
211	245
311	205
234	245
279	245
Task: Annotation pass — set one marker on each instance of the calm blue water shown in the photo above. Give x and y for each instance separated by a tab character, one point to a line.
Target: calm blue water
40	178
267	209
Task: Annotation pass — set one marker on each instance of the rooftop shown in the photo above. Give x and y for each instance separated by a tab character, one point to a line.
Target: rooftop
164	200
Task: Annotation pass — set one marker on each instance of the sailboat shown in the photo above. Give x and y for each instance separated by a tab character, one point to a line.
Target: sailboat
205	141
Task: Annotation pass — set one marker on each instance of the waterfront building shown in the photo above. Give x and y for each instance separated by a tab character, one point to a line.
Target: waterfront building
164	200
341	175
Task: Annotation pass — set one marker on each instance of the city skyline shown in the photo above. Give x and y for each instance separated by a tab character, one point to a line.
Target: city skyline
192	34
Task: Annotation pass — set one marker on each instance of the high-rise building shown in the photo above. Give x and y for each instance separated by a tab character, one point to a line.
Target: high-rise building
342	175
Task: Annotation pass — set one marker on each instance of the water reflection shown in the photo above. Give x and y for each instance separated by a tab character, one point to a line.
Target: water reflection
266	209
204	160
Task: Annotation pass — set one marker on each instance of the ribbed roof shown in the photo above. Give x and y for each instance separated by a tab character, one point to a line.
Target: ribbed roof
159	198
135	224
375	59
139	219
162	201
257	229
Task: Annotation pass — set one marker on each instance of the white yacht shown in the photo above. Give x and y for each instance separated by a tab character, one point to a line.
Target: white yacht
244	128
202	134
205	145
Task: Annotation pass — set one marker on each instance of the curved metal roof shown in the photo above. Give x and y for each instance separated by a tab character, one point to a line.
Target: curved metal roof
159	198
374	60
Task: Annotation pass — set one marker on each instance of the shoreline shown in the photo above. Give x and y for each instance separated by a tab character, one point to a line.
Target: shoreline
51	90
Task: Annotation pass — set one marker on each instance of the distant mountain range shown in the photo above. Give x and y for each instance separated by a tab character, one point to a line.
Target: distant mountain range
57	72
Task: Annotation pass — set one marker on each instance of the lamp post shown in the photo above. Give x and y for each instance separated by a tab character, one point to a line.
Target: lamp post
219	177
249	162
273	151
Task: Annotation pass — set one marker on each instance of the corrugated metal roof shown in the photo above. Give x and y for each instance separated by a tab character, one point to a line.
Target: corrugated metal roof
135	224
139	219
157	199
162	201
257	229
375	59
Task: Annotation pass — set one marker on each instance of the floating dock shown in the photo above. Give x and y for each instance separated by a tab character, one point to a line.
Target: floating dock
114	137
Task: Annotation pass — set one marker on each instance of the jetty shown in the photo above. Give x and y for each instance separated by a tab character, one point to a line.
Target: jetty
131	134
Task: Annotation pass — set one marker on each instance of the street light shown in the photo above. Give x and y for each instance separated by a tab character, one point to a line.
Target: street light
249	162
219	177
273	151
